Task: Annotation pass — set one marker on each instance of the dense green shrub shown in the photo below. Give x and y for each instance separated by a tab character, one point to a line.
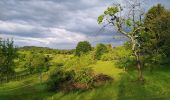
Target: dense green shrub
126	62
84	76
123	57
59	77
81	79
107	57
100	50
82	48
76	63
36	62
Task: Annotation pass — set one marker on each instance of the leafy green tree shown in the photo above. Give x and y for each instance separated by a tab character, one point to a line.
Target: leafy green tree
100	50
153	13
36	62
83	47
157	42
8	53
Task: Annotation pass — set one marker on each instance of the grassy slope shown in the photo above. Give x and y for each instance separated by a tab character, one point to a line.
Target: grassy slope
156	87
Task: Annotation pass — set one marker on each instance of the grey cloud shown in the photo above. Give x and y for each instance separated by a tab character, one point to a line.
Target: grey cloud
35	20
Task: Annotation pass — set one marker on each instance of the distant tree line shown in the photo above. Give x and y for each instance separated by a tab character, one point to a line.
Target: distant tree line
46	50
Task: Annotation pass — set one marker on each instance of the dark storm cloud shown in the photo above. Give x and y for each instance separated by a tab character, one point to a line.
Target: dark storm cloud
57	23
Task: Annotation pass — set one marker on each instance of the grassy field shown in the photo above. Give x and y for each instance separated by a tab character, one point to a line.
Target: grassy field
124	87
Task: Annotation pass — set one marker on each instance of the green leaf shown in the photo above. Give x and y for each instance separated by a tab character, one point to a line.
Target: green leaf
100	19
138	23
129	22
112	10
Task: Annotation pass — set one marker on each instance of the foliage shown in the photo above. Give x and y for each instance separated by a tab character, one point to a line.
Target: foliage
46	50
82	48
76	63
7	55
36	62
107	57
111	11
156	43
124	58
153	13
100	50
84	75
130	26
58	77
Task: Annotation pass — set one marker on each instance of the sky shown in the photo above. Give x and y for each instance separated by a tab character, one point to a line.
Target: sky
58	24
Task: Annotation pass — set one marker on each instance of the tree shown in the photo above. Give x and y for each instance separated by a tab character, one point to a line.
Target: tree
131	26
37	63
7	55
83	47
157	42
100	50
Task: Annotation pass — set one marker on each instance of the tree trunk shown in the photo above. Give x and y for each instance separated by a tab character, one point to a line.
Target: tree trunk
139	66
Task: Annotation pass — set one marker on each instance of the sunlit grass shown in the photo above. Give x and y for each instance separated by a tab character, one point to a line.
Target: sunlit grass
108	68
124	87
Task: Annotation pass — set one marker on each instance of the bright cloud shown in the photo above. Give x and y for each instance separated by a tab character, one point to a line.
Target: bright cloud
57	23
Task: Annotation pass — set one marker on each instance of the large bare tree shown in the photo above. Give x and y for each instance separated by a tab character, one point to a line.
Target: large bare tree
127	20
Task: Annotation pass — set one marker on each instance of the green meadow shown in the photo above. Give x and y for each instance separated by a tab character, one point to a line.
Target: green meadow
123	87
136	69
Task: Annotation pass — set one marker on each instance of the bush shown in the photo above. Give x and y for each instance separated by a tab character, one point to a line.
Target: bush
107	57
76	63
82	79
100	50
70	80
126	62
82	48
124	58
84	76
36	62
58	77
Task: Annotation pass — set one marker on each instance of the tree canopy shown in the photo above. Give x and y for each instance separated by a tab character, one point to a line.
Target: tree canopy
83	47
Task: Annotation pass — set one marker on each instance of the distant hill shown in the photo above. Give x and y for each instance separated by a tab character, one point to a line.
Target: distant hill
46	50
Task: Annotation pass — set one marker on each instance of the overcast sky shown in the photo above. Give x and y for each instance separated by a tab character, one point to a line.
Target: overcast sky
57	23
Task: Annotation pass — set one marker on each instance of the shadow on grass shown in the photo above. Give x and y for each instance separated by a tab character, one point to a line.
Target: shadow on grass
156	87
153	89
30	92
104	92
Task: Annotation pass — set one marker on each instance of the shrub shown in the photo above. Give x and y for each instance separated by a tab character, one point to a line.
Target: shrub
82	48
100	50
84	76
82	79
124	58
107	57
126	62
70	80
59	77
36	62
80	62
